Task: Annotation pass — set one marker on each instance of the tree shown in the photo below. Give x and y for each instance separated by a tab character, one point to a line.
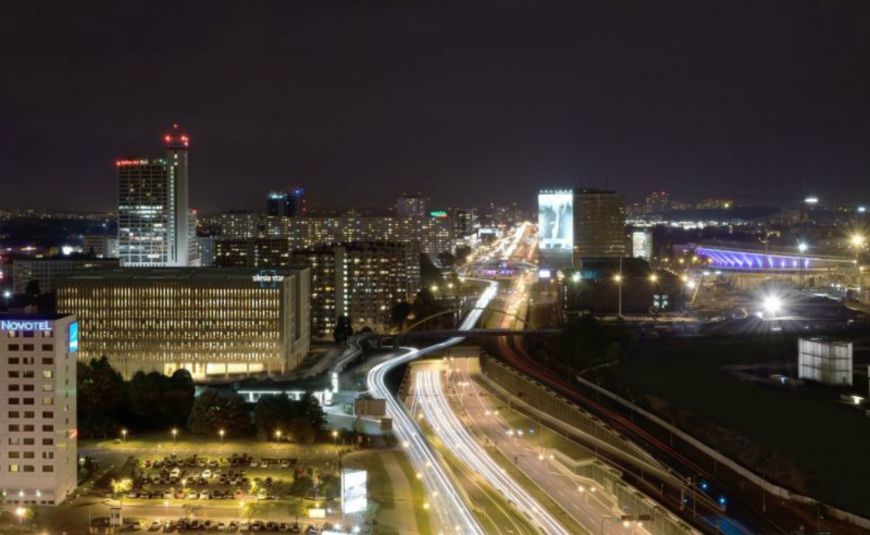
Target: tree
274	412
399	313
212	412
180	396
313	412
426	305
343	329
462	252
32	288
158	401
429	274
102	397
446	259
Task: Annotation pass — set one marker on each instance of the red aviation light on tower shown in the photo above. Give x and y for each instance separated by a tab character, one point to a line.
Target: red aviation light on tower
176	139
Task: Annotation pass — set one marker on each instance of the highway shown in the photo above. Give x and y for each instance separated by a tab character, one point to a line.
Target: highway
445	500
536	463
431	398
742	516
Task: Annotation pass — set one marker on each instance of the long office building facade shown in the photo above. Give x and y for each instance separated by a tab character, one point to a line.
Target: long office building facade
155	224
46	271
209	321
38	408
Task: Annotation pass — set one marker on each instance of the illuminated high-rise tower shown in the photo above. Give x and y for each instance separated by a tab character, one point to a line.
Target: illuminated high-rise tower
286	203
154	220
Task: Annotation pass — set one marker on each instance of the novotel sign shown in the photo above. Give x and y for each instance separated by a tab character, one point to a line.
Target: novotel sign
25	325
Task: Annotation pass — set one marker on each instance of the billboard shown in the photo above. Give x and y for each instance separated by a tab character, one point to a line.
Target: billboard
353	491
556	221
642	244
73	337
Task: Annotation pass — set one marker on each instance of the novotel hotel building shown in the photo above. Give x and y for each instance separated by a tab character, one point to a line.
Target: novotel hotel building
212	322
38	408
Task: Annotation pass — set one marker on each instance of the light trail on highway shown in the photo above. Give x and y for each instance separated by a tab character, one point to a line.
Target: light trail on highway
452	432
444	498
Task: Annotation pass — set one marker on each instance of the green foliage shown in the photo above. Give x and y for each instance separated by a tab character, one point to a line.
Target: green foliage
461	252
302	485
585	342
301	421
429	274
330	486
343	329
212	412
399	313
32	288
102	398
158	401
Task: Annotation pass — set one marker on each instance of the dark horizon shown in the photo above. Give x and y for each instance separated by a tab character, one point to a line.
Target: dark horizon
466	102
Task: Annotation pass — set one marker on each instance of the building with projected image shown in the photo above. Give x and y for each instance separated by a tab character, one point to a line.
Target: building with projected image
578	224
210	321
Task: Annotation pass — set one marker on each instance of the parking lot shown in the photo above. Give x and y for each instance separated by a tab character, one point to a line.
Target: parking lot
202	478
185	524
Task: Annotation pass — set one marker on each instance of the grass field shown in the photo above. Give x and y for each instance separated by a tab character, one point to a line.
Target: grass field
827	440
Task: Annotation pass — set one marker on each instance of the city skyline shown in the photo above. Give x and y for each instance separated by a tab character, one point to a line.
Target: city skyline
358	104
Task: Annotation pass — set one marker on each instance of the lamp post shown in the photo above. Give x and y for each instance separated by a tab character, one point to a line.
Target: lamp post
335	438
802	248
221	433
124	435
175	435
618	279
278	435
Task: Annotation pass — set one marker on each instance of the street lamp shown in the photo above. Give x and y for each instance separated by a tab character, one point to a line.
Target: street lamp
335	437
221	433
618	279
802	248
124	435
175	435
278	435
653	278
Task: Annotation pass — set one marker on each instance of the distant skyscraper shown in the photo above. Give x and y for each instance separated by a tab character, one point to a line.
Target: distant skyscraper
657	201
153	216
413	206
286	203
599	225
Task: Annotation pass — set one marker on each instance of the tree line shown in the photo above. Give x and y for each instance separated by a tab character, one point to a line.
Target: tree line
153	401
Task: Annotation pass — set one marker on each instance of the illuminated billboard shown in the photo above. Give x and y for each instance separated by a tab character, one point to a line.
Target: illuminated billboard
641	244
73	337
353	491
556	221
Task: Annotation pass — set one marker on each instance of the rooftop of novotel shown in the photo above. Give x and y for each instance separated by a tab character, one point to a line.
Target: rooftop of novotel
14	316
177	273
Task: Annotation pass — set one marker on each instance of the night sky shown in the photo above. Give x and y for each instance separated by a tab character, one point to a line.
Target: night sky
467	101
